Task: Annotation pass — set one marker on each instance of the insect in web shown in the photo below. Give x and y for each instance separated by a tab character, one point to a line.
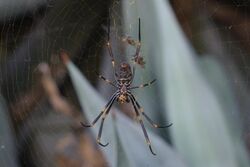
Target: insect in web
123	80
137	58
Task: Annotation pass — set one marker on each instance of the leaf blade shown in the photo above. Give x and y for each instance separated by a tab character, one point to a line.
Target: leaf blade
94	102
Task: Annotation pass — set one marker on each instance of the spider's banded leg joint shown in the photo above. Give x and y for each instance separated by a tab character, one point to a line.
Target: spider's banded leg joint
147	138
105	79
107	109
143	85
100	133
147	84
139	118
146	116
95	120
141	109
104	116
142	125
113	62
156	126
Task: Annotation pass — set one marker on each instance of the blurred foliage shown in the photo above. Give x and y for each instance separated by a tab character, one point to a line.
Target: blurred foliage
64	25
190	102
129	138
8	154
202	82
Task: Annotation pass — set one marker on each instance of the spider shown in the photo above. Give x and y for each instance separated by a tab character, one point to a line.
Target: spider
123	94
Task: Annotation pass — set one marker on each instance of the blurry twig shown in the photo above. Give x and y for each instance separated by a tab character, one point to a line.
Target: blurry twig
28	101
52	92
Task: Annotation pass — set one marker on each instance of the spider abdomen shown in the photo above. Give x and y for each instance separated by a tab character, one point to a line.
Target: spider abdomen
123	98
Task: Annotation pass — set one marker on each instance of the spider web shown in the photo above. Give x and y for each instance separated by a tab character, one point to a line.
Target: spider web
35	32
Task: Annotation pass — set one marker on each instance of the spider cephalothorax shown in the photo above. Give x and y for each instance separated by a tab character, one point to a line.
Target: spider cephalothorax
123	80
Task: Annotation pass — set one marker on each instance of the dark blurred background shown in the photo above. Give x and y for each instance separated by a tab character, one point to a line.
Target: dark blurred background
40	105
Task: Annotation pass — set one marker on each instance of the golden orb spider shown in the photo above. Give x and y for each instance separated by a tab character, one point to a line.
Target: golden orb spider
123	81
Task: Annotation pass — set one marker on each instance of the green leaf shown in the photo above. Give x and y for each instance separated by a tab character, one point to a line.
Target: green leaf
200	128
219	83
216	78
92	104
125	137
137	151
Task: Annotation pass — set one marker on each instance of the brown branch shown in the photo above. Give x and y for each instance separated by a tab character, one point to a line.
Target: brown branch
52	92
28	100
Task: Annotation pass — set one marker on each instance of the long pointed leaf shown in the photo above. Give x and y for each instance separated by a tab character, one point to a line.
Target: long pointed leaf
200	131
131	141
92	104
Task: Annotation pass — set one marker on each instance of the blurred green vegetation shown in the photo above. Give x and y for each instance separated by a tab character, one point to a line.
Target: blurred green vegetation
196	50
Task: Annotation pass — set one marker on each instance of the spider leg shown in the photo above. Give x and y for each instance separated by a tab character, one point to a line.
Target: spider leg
147	117
143	85
139	31
154	124
138	48
101	113
103	119
94	122
106	80
142	126
100	134
109	45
